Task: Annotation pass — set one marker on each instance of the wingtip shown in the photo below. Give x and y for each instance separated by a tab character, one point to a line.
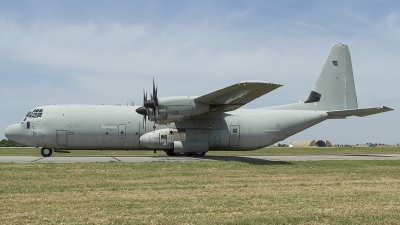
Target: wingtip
386	108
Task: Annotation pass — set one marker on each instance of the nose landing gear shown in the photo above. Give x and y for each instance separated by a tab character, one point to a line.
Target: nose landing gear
46	152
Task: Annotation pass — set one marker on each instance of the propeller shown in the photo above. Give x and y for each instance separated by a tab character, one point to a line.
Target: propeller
153	102
143	110
150	106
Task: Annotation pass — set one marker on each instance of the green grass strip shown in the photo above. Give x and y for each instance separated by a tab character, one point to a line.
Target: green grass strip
223	192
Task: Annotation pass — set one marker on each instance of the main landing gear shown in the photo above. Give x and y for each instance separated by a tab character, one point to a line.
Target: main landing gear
170	153
198	154
185	154
46	152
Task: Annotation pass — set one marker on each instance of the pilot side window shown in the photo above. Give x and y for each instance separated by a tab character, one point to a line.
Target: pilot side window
40	112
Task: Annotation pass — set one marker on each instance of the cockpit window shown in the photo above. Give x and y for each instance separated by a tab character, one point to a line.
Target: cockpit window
36	113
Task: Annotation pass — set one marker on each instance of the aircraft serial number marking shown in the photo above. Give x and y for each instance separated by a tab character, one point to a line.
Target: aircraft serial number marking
73	125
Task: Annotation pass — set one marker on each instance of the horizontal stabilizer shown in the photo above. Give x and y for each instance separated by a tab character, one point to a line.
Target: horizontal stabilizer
339	114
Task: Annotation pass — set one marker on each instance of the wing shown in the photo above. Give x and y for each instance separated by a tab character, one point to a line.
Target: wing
339	114
236	95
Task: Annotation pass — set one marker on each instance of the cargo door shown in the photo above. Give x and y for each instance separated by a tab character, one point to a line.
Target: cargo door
234	135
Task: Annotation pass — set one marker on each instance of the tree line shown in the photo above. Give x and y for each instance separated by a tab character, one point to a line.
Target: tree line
9	143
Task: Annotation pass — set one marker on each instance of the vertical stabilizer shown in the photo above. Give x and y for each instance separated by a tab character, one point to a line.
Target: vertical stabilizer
335	89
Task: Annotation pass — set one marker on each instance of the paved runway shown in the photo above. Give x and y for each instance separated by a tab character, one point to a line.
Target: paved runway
133	159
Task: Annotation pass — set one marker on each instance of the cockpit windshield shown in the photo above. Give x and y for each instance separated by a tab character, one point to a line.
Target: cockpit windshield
36	113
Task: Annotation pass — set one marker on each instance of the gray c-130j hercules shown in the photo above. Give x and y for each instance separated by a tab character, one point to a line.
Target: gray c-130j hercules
192	126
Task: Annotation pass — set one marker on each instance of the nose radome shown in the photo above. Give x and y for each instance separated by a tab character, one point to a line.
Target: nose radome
14	132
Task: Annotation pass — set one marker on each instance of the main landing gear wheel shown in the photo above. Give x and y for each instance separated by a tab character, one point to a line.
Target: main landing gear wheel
46	152
199	154
170	153
183	154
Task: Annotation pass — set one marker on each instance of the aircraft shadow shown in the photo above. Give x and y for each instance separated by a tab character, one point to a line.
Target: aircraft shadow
375	156
244	159
249	160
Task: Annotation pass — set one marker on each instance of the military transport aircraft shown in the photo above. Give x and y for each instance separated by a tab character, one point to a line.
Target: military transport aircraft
192	126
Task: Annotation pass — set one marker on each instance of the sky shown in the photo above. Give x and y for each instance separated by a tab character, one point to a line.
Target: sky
107	52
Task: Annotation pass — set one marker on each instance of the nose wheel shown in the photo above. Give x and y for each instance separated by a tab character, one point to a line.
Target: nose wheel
46	152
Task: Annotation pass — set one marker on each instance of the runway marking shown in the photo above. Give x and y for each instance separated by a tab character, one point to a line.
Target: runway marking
115	158
37	159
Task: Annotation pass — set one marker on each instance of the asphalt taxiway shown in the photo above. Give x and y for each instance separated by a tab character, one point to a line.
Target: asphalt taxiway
133	159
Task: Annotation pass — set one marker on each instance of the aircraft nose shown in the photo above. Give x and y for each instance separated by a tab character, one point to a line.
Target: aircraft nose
14	132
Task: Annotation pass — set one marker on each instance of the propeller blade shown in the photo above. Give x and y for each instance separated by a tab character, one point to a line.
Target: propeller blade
143	110
154	97
144	96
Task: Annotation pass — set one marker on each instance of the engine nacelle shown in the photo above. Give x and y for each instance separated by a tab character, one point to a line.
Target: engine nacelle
173	109
164	140
159	139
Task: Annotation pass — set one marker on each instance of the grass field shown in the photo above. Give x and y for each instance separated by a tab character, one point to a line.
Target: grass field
223	192
263	151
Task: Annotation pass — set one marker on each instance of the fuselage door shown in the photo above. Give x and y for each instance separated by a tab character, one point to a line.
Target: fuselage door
234	135
121	131
61	138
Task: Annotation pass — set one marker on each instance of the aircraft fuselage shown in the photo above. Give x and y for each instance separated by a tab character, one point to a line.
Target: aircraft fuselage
103	127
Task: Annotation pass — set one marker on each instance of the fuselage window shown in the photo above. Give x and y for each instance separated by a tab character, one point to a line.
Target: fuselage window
28	125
